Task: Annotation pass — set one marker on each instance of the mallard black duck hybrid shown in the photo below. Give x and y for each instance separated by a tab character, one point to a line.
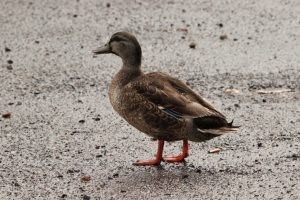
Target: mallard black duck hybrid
159	105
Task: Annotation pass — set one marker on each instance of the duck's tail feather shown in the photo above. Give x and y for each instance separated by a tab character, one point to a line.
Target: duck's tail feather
231	126
214	125
217	131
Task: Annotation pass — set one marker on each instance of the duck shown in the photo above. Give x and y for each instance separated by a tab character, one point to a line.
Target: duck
159	105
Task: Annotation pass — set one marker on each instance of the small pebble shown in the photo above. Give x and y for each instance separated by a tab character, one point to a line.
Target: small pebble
7	49
185	176
72	171
6	115
223	37
259	144
86	197
16	184
192	166
237	105
96	119
9	67
85	178
295	156
192	45
81	121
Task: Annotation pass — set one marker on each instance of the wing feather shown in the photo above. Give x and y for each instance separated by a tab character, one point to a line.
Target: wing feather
172	94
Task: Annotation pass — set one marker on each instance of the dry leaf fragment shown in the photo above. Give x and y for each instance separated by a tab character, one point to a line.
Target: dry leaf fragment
273	91
215	150
182	29
232	90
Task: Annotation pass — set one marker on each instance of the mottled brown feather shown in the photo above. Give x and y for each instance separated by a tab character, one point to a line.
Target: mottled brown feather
168	92
157	104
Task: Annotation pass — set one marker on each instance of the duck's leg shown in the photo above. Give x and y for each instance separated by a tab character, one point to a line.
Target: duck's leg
180	157
157	159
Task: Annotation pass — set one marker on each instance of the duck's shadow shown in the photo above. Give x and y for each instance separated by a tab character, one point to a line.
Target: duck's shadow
166	176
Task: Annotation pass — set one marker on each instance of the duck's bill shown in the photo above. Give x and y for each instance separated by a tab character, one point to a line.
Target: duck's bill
102	50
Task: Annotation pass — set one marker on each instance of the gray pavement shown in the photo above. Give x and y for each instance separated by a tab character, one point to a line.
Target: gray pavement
64	141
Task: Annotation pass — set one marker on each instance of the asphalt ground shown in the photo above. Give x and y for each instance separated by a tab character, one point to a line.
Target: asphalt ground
61	139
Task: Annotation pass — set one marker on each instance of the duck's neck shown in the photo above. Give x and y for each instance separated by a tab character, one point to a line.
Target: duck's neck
130	67
131	63
128	73
132	58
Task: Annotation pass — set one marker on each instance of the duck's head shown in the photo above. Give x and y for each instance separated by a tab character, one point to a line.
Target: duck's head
126	46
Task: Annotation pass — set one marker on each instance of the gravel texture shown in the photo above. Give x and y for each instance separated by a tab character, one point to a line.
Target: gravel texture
60	138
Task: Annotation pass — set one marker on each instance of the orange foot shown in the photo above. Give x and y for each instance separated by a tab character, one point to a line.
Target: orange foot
157	159
147	162
180	157
177	158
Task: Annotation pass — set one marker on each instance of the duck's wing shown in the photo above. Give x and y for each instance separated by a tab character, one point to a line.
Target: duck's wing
175	95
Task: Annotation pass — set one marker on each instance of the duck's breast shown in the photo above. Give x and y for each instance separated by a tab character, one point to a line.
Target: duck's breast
115	96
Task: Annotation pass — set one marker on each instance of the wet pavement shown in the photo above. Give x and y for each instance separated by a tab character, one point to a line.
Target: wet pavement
61	139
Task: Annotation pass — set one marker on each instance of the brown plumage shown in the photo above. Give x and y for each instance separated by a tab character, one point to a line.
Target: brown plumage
159	105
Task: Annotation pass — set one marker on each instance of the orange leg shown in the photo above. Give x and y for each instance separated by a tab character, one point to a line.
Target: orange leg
180	157
157	159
